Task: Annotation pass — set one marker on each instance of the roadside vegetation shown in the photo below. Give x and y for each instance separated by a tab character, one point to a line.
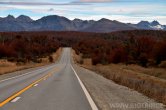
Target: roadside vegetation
18	51
22	49
132	47
142	47
8	66
148	81
136	59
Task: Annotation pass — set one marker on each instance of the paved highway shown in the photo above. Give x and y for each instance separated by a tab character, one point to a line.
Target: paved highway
54	87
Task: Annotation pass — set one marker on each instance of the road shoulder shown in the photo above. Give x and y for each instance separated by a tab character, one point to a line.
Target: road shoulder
109	95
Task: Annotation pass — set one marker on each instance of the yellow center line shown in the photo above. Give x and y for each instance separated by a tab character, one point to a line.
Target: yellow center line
26	88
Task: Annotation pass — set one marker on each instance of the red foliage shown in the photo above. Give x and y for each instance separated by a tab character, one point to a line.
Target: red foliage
20	46
159	51
118	55
138	46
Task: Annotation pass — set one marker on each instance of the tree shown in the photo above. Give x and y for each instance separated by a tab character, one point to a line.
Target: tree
159	51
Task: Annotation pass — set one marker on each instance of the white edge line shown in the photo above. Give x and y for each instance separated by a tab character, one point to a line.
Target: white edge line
16	99
24	74
90	100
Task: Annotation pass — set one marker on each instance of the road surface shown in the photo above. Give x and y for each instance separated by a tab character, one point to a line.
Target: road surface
54	87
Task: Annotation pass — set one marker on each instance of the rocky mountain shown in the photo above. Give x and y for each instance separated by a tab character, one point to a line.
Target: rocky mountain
82	24
53	23
10	23
59	23
105	25
23	18
154	25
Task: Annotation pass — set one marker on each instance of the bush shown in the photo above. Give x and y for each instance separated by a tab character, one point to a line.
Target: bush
11	59
143	60
50	58
36	60
162	64
159	52
118	55
81	61
22	60
95	60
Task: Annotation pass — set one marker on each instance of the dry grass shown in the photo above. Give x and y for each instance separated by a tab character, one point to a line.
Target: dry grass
57	54
149	81
7	67
152	71
54	55
12	68
77	58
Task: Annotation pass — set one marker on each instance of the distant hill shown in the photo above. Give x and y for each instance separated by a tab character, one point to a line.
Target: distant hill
59	23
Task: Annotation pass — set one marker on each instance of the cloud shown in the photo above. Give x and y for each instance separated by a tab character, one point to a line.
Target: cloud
39	3
2	8
116	1
51	9
94	1
105	1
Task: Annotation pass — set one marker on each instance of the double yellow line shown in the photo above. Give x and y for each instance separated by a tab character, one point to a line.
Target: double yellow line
25	89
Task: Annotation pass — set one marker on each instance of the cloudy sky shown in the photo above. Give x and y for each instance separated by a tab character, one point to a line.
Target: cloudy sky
122	10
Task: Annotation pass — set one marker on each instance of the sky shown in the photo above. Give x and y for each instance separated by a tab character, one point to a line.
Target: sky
127	11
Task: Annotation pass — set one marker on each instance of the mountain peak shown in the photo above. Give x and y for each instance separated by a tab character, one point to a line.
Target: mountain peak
24	18
51	17
155	23
77	20
104	19
10	17
144	22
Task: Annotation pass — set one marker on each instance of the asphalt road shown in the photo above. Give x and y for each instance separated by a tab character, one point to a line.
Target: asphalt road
54	87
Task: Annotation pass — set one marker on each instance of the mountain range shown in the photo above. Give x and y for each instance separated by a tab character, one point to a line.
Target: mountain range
59	23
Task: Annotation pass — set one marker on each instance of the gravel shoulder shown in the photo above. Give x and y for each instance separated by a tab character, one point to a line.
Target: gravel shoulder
111	96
